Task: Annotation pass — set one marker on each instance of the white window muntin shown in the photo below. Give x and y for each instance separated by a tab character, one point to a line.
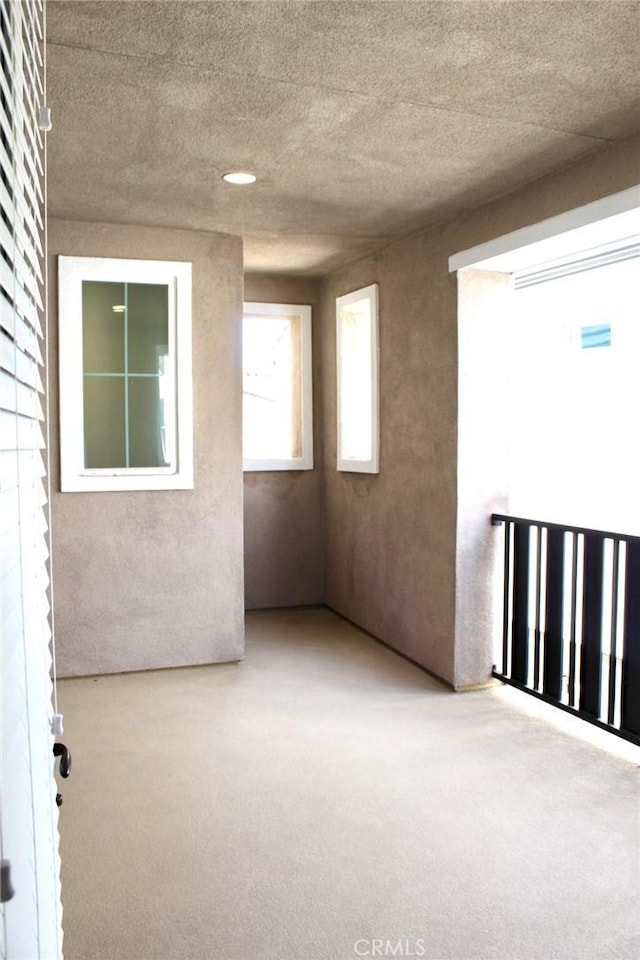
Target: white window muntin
74	476
305	460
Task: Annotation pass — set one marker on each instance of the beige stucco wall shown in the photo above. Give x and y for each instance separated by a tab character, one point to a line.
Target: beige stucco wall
391	540
284	510
154	578
391	536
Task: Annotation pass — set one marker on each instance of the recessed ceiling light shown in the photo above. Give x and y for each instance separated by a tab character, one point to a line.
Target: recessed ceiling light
119	308
239	177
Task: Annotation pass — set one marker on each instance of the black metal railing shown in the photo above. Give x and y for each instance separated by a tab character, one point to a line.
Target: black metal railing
571	620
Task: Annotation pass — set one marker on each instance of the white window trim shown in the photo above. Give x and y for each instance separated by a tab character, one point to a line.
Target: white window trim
74	476
347	464
305	461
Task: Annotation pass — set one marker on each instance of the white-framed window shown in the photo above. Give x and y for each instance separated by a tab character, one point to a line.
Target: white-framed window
277	397
126	420
358	380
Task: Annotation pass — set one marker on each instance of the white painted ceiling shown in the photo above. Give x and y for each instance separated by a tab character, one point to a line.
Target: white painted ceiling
363	120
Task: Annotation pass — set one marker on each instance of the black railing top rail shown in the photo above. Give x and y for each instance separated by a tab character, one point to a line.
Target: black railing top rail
498	518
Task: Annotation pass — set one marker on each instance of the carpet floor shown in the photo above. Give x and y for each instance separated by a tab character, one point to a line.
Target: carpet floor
327	800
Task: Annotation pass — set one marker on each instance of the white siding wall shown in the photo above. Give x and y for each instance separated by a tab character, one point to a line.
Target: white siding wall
30	923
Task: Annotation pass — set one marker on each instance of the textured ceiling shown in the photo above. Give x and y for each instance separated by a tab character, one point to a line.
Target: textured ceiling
362	120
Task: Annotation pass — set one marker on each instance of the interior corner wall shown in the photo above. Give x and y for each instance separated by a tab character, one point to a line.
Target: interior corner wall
284	510
391	550
391	536
148	579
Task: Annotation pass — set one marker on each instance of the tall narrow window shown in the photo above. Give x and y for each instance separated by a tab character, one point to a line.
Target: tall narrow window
277	393
357	380
125	372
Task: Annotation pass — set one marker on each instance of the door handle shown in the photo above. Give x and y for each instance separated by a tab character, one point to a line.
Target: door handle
59	750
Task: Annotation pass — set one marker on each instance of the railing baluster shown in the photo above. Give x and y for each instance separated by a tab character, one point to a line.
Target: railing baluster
536	646
519	638
572	641
630	707
613	663
591	653
507	594
552	682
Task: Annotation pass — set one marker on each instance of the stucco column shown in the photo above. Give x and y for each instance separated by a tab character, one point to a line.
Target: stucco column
483	364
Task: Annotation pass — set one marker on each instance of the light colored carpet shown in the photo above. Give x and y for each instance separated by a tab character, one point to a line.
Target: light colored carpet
325	795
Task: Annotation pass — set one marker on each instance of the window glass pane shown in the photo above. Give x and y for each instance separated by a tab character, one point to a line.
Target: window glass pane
102	326
272	383
124	415
356	427
148	434
147	326
104	422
